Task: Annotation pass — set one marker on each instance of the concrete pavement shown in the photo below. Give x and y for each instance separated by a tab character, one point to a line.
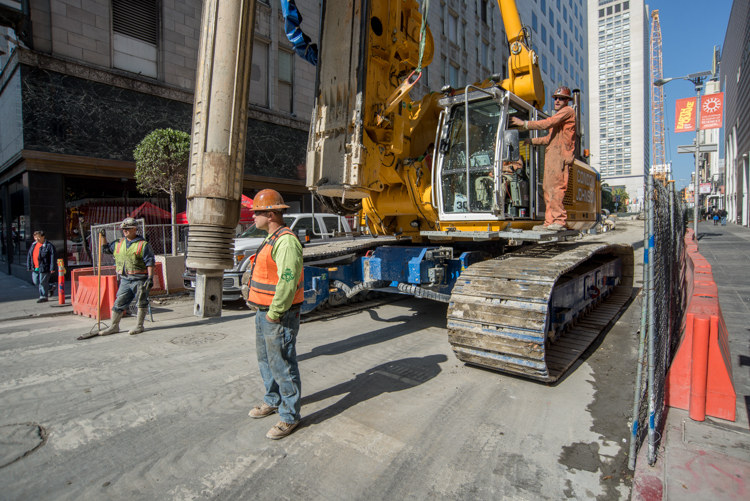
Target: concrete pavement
388	412
711	459
19	300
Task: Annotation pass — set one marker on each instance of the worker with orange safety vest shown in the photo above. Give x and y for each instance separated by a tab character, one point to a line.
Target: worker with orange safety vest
276	289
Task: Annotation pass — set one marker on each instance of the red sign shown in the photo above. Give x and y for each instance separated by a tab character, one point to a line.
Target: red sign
712	110
684	116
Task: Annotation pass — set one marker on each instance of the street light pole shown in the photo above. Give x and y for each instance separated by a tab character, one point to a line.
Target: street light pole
697	79
696	196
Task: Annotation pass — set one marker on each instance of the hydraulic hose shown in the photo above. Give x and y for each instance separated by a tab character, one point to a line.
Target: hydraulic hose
420	292
353	291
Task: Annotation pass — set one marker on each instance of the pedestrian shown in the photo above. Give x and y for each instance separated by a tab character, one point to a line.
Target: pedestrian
723	216
558	158
276	289
716	218
134	263
41	262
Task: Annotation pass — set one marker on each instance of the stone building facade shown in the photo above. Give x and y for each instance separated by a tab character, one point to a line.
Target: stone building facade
86	80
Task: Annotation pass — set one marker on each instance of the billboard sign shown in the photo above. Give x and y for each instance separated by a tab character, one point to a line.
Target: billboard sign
712	110
705	188
684	116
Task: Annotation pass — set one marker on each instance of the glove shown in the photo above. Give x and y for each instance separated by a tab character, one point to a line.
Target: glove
102	232
148	284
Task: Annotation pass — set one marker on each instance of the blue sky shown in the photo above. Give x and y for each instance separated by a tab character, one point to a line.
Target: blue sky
689	30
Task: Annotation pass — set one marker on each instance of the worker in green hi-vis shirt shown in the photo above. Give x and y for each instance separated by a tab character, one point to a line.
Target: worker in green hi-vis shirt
276	289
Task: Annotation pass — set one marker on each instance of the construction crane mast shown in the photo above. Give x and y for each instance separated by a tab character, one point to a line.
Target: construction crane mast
658	148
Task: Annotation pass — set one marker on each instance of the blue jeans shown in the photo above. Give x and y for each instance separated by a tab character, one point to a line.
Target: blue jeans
41	280
724	221
276	347
129	289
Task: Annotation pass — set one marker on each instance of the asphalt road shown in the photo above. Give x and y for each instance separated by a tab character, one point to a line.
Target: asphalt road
388	412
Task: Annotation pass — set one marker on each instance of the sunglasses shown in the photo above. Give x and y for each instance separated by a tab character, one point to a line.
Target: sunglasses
561	99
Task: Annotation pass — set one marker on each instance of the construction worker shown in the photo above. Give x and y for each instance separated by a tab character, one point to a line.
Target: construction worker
558	157
134	262
276	289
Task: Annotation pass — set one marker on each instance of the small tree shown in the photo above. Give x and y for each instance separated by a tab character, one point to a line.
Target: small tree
624	197
161	164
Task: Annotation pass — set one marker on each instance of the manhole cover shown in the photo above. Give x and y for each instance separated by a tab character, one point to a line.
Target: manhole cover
19	440
199	339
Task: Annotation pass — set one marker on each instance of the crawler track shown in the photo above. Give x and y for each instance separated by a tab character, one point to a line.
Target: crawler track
501	310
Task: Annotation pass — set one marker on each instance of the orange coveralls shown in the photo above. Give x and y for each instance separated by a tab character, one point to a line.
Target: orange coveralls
557	161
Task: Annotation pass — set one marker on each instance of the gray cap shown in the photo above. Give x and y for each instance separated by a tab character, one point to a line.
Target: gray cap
129	222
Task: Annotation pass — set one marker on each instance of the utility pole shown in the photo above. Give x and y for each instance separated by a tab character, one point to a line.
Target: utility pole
697	79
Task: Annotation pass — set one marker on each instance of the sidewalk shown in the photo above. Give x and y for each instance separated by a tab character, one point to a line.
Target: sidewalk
711	459
19	300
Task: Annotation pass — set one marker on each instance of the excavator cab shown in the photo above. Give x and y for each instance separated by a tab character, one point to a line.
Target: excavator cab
484	169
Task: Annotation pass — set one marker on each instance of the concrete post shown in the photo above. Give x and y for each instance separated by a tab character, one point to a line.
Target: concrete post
217	151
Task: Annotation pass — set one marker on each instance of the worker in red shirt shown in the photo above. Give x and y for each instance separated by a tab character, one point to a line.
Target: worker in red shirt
41	262
558	157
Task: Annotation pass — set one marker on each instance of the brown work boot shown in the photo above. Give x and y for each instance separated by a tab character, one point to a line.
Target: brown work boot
261	411
281	430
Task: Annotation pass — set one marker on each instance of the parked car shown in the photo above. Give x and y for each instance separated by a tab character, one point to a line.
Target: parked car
310	231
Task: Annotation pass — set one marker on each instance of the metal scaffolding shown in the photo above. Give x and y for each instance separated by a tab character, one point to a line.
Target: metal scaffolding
658	147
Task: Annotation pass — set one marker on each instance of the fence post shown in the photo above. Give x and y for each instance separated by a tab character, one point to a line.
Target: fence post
651	314
641	347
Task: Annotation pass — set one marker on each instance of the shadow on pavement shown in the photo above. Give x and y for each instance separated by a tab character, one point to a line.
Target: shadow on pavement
393	376
405	324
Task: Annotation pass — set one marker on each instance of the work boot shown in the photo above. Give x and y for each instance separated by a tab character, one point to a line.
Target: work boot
541	227
115	327
139	322
262	411
555	227
281	430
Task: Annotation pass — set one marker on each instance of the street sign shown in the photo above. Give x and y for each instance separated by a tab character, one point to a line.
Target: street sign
705	148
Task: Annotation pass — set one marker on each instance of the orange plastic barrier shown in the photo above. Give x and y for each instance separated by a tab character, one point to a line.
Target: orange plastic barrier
700	378
85	300
84	285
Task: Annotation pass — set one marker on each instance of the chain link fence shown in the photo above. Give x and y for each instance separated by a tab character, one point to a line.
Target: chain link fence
158	236
662	308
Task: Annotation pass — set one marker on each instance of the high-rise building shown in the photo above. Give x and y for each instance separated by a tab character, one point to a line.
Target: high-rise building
558	36
471	45
619	91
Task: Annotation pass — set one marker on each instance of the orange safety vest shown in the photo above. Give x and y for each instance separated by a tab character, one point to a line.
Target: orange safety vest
265	276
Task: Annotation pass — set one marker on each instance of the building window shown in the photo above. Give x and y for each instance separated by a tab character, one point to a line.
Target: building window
135	29
286	81
544	6
453	29
259	75
601	12
552	73
544	34
533	21
454	76
442	70
485	11
544	63
485	54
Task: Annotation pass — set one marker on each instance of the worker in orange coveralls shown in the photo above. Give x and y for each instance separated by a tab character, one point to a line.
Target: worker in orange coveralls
558	157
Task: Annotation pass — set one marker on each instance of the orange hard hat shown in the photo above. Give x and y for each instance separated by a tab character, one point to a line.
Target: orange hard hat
268	200
563	92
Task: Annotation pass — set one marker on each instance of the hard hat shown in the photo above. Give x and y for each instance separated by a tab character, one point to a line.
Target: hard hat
128	222
268	200
563	92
